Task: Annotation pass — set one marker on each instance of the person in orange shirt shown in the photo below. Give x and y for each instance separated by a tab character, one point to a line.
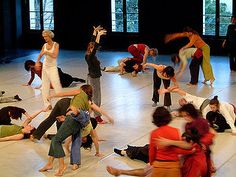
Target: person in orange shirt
196	41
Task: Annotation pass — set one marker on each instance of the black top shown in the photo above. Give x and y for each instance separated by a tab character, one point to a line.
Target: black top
15	113
129	65
231	37
94	68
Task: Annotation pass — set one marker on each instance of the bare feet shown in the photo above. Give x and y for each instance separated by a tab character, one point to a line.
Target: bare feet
189	84
204	82
113	171
60	172
46	168
211	82
75	167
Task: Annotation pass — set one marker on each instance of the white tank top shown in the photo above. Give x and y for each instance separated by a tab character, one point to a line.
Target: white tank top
48	60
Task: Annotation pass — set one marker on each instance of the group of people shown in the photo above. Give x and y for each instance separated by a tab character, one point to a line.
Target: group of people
76	127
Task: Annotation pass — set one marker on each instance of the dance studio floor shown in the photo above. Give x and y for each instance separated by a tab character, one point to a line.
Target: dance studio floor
126	99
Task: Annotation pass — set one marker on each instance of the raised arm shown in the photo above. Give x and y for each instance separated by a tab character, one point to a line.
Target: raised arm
98	109
40	56
146	53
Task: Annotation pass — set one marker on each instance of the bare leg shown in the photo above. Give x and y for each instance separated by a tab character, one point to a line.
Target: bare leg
118	172
49	165
62	167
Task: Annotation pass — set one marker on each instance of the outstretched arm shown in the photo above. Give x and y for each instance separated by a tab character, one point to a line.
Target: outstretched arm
98	109
65	94
146	53
30	118
12	138
172	89
168	142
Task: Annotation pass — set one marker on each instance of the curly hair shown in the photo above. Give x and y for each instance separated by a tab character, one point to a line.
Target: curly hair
161	116
49	33
190	109
215	101
169	70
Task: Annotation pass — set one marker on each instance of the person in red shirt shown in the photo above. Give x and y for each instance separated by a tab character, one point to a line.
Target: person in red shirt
141	51
162	157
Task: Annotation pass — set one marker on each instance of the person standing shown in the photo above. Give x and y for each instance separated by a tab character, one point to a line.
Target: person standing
49	72
196	55
196	41
230	43
140	52
94	68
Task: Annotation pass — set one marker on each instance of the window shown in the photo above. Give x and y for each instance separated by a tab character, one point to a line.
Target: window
124	16
216	16
41	14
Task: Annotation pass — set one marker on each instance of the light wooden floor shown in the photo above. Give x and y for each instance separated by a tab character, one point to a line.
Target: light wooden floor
126	99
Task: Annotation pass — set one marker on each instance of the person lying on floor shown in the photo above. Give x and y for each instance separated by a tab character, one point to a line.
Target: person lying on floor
8	99
15	132
125	65
11	112
65	79
227	110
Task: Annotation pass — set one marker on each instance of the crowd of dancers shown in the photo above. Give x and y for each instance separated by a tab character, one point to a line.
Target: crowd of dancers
78	114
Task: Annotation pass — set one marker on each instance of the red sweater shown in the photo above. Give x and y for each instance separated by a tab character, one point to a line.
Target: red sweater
167	153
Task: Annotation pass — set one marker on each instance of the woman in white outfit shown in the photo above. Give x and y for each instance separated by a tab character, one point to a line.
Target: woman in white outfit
49	73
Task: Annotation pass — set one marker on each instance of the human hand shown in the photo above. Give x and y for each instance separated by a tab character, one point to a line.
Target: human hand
163	142
60	118
25	84
102	32
163	91
98	28
234	133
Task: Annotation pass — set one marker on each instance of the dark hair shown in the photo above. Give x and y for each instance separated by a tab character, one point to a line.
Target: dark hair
192	135
173	59
169	70
189	29
29	63
161	116
27	135
214	101
140	68
89	141
190	109
88	89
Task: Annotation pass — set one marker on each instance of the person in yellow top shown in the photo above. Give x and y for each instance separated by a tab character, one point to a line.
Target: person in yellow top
196	41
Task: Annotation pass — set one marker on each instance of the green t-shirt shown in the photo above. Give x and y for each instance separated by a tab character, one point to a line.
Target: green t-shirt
9	130
81	101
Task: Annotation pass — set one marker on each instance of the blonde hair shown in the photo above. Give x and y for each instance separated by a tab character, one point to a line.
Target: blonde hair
49	33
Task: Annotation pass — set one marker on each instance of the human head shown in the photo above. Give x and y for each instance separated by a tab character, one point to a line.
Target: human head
138	68
182	101
87	141
190	30
189	112
28	130
191	135
169	71
48	33
214	104
175	59
88	89
153	52
161	116
15	114
29	64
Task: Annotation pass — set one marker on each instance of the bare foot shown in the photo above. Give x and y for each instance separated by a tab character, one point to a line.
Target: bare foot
211	82
204	82
46	168
113	171
189	84
60	172
75	167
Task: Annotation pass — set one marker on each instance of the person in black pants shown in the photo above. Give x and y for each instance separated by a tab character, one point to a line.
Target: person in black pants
230	43
59	109
135	152
65	79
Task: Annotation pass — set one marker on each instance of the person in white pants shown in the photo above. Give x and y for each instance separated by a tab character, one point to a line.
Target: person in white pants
49	73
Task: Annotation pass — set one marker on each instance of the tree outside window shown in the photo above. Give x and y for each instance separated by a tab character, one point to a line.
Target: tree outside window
216	16
125	16
41	14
